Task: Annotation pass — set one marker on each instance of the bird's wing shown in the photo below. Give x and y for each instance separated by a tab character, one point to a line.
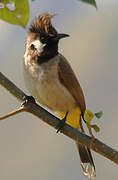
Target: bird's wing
69	80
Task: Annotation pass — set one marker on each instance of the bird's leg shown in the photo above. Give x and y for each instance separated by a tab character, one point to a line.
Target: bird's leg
62	123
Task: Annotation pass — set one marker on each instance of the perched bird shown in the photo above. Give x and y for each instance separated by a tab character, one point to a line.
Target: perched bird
51	80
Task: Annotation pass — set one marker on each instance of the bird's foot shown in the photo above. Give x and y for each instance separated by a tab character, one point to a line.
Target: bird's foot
61	125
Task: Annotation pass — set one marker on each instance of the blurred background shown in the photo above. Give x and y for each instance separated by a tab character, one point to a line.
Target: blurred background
29	148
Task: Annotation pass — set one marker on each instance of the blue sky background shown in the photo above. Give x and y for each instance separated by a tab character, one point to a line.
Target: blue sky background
31	149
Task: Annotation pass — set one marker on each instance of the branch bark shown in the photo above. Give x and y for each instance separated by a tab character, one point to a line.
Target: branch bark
35	109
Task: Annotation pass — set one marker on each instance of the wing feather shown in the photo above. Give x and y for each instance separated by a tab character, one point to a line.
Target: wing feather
69	80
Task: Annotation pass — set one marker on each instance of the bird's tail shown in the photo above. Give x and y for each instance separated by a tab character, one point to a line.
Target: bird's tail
74	120
86	160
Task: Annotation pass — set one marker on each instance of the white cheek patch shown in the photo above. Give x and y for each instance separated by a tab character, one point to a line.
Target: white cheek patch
38	45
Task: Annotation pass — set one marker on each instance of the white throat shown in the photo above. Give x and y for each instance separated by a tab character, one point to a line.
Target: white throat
38	45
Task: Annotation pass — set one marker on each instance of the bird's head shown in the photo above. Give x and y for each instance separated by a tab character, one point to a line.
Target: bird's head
43	38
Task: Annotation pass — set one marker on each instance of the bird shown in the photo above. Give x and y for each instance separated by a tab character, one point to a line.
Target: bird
53	83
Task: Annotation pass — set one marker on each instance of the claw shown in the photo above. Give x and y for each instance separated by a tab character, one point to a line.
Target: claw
61	123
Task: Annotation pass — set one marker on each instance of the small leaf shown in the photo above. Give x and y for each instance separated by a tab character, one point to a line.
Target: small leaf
99	114
95	127
88	116
92	2
15	11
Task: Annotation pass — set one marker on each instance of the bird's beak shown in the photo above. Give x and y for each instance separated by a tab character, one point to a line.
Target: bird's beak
60	36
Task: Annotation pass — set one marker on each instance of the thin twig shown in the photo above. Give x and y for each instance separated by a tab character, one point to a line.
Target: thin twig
17	111
47	117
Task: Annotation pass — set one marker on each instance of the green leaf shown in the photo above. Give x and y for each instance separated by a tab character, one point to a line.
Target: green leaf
92	2
15	11
99	114
88	116
95	127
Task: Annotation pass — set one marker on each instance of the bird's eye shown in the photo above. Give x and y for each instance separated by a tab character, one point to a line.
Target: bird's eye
32	47
43	39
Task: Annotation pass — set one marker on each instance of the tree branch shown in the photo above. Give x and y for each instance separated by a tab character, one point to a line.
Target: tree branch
47	117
